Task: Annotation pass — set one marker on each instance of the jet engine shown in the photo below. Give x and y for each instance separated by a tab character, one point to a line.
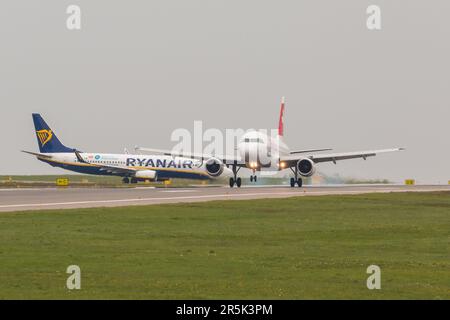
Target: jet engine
145	174
214	167
306	167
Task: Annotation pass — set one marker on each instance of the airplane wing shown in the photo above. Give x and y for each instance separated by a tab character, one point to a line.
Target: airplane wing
119	170
108	168
333	157
310	150
226	159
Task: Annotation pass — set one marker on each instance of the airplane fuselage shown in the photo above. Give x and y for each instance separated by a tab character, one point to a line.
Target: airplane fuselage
165	167
259	150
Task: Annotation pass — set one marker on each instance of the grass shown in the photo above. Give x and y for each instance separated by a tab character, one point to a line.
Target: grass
296	248
53	177
82	180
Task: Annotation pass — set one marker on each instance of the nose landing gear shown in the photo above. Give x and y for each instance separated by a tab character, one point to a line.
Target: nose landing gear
253	177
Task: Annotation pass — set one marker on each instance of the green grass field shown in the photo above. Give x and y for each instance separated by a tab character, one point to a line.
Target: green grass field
297	248
53	177
81	180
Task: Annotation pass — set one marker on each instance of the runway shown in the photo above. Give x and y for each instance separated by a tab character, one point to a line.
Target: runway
66	198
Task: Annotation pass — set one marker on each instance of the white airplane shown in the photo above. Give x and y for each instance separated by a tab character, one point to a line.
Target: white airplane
257	151
132	168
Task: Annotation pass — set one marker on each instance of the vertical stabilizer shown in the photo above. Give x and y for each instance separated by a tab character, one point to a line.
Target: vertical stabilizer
47	140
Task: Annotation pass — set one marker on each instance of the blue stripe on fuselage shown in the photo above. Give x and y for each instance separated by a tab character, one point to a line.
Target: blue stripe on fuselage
162	174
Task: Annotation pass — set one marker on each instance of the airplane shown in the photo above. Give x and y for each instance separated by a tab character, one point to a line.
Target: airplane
132	168
258	151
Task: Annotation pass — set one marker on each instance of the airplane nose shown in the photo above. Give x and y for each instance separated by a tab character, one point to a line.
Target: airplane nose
250	154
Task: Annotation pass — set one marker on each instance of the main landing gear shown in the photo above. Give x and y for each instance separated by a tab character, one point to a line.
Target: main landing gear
296	180
127	180
235	180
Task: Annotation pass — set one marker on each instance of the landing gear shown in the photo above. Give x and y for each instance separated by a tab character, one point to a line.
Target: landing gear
253	176
292	182
126	180
134	180
235	180
299	182
296	180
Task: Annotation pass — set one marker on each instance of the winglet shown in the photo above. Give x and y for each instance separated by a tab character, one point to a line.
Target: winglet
79	157
280	122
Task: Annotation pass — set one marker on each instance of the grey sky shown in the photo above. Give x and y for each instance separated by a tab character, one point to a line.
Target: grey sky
140	69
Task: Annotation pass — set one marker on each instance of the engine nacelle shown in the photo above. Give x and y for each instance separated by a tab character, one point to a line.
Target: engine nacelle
214	167
145	174
306	167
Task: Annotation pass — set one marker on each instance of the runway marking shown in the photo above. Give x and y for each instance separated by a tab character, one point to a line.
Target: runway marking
28	189
229	195
175	191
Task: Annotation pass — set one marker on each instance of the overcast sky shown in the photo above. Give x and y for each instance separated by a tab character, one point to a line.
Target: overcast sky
137	70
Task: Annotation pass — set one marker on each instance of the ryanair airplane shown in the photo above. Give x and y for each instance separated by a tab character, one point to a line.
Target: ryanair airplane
132	168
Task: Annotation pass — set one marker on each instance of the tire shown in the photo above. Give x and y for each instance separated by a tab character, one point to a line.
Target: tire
292	182
231	182
126	180
254	179
133	180
300	182
251	178
238	182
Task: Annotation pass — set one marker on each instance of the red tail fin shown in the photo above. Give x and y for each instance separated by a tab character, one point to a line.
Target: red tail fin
280	123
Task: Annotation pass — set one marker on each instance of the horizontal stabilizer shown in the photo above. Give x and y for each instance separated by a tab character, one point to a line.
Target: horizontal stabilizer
40	155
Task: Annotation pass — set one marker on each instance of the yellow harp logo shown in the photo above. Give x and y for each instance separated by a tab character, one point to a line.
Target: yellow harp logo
44	136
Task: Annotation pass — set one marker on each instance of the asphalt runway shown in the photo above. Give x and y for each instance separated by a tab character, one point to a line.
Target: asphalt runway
66	198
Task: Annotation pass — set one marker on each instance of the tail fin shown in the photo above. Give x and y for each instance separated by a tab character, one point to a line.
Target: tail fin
47	140
280	122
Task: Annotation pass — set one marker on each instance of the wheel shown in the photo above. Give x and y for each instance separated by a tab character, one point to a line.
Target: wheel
292	182
231	182
238	182
126	180
254	178
134	180
251	178
299	182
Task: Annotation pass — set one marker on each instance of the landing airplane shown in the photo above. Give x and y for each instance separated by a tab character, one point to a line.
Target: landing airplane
132	168
257	151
